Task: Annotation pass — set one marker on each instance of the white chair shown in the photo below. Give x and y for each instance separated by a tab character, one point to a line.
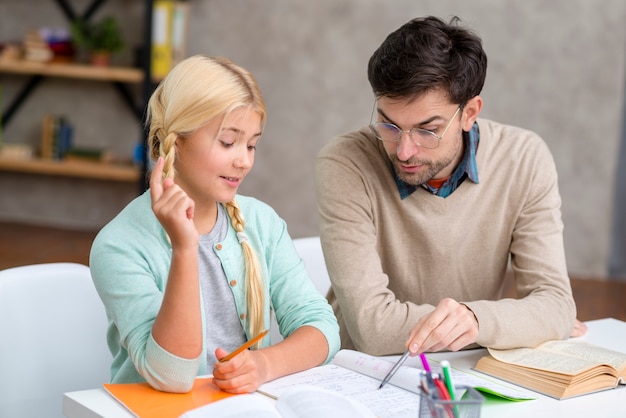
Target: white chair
310	250
52	338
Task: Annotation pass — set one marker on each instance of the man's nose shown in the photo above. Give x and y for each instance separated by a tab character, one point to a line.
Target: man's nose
407	146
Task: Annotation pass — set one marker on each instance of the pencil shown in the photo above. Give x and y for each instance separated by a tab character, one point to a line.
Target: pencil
243	347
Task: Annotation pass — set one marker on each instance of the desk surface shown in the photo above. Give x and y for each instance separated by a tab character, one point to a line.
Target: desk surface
608	333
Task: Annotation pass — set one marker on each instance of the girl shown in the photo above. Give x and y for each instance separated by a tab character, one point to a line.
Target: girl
190	270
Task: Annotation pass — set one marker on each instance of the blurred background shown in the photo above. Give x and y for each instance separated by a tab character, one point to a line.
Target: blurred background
556	68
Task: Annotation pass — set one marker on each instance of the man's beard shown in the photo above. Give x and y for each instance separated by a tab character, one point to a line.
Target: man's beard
428	170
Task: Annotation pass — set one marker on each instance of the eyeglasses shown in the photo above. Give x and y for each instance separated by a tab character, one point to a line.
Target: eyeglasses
388	132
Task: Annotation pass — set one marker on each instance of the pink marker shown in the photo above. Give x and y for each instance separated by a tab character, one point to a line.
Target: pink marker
425	362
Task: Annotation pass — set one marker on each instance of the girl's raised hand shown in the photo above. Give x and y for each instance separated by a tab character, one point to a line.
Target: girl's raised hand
173	208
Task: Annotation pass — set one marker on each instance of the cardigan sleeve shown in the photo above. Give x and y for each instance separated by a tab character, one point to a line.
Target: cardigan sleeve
129	267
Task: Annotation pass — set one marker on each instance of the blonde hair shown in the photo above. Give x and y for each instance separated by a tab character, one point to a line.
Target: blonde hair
196	91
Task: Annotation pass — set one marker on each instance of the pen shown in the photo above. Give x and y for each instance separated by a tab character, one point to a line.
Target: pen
243	347
394	369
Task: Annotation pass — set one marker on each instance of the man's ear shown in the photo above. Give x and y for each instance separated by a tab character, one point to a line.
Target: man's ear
471	110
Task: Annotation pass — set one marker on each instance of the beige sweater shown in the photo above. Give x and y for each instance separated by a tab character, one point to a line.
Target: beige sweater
391	261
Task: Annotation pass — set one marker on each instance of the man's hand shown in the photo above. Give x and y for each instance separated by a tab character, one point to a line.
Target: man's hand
579	329
450	326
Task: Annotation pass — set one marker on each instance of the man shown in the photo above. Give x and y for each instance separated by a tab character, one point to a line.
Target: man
423	210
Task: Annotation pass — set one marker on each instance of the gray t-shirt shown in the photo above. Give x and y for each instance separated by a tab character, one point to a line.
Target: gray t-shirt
223	328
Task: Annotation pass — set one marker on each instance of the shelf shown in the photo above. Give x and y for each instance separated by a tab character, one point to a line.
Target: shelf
81	169
87	72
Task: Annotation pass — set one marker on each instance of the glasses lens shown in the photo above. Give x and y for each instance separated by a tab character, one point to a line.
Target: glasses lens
426	139
386	131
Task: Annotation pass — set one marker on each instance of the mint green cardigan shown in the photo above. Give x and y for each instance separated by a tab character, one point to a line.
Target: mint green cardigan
130	260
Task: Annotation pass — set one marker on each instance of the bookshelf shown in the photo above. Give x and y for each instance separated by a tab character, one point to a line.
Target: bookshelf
83	169
119	77
80	71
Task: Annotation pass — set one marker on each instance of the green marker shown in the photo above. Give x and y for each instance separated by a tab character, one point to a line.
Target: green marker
445	367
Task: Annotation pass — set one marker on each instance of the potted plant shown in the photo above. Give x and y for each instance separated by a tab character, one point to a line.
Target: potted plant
99	39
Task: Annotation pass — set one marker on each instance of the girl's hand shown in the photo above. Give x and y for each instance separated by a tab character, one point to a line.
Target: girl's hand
173	208
244	373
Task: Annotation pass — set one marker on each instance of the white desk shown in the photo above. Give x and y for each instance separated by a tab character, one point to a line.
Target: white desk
608	333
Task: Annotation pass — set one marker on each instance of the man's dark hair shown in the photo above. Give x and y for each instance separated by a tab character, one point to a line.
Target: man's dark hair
425	54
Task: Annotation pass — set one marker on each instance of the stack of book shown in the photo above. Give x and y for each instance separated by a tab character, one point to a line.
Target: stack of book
56	137
36	47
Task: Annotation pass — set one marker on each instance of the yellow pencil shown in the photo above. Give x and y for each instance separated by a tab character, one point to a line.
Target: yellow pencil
243	347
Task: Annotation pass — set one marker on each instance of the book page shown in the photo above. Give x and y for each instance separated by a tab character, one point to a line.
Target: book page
241	406
389	401
565	357
407	377
312	402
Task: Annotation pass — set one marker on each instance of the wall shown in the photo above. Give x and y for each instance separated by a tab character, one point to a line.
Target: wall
555	67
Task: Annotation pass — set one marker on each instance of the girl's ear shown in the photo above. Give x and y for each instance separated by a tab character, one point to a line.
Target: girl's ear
471	110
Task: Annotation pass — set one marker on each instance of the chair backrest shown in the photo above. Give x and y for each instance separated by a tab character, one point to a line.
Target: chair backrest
52	338
310	250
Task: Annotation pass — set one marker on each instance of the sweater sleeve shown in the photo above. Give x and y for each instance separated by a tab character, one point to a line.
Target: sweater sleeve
295	299
544	308
129	268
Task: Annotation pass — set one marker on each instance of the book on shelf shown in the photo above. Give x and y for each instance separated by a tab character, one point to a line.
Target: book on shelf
180	32
350	381
170	22
56	137
100	155
560	369
57	143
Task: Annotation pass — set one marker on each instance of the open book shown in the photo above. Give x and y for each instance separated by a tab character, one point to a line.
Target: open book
357	375
348	385
298	402
560	369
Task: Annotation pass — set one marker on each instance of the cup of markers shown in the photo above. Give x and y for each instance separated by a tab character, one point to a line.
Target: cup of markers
440	398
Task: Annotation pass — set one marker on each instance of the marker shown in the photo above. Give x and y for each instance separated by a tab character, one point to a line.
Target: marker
445	366
425	362
447	377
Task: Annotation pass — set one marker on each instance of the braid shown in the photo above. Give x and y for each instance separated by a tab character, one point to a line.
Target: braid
168	151
254	282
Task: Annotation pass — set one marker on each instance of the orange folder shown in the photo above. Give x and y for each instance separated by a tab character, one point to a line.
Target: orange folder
144	401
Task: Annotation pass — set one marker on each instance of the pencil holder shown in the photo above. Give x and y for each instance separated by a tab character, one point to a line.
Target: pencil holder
467	405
